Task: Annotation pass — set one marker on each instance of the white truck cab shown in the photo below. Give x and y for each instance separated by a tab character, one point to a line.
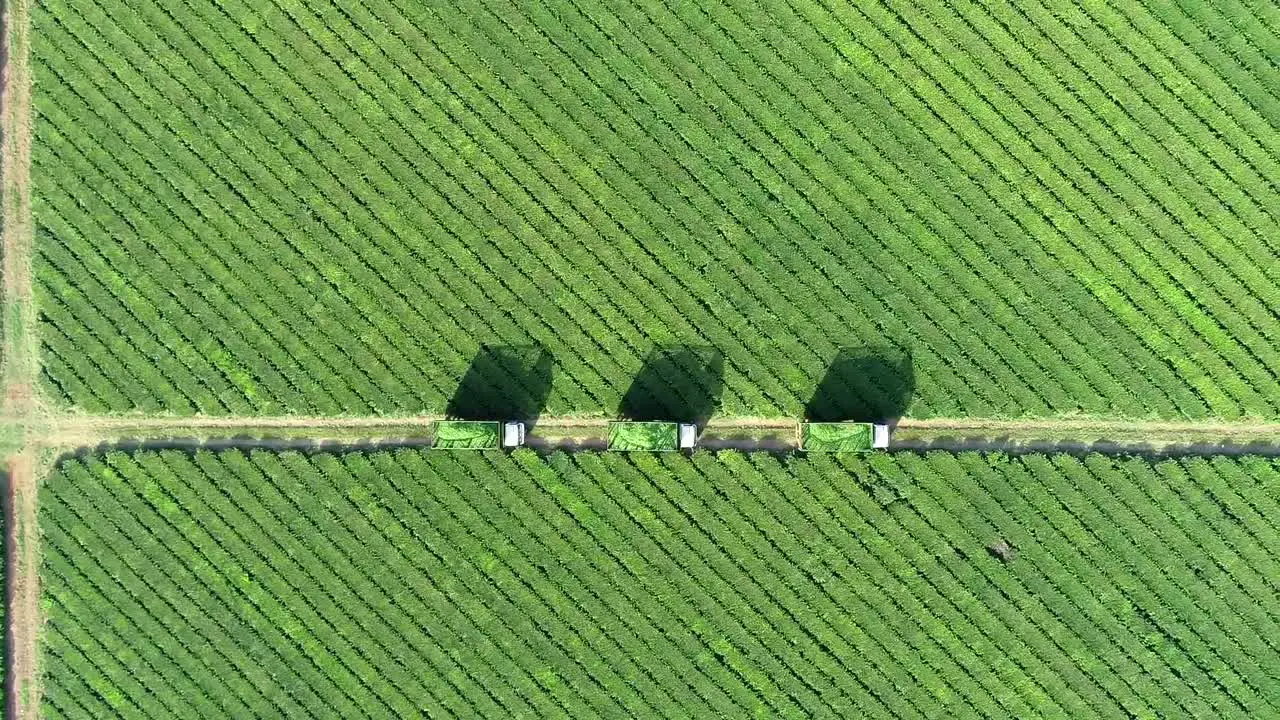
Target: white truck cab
512	434
879	436
688	436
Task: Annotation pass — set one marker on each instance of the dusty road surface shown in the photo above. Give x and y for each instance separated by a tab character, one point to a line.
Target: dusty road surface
22	589
19	369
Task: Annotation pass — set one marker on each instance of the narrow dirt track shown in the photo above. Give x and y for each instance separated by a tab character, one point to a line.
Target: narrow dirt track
1070	434
19	369
20	344
22	589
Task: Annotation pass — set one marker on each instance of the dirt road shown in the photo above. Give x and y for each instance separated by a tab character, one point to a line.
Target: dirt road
22	589
19	369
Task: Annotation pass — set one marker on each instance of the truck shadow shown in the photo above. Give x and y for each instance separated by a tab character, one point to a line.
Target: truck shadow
681	383
866	384
504	382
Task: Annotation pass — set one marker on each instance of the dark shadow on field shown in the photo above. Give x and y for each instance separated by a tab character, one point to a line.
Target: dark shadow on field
866	384
681	383
504	382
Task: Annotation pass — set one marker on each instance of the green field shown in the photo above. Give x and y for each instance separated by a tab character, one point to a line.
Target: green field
649	211
605	585
984	209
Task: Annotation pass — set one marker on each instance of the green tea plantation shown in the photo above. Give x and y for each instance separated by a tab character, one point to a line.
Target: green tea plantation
430	584
987	209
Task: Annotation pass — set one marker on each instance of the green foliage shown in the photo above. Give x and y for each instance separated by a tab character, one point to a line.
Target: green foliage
415	583
835	437
643	436
333	207
467	435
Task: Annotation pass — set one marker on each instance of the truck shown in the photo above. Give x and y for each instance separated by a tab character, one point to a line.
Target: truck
478	434
843	436
628	436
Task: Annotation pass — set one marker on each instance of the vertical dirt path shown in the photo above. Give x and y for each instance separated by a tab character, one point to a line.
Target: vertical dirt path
19	369
19	358
22	589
